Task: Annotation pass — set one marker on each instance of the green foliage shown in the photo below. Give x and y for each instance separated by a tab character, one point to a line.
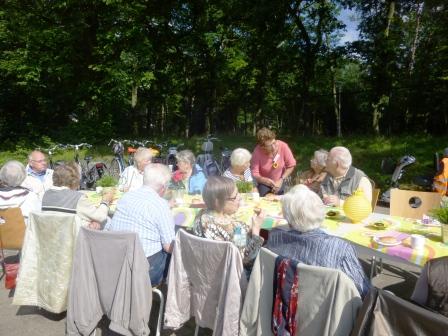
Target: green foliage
244	187
107	181
441	214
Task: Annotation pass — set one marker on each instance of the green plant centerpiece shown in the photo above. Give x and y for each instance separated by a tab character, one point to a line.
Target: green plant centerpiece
244	187
107	181
441	214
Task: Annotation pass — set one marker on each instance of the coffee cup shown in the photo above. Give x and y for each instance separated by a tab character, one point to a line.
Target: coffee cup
417	241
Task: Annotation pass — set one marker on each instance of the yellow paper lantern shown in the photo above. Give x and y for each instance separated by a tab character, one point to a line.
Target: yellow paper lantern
357	206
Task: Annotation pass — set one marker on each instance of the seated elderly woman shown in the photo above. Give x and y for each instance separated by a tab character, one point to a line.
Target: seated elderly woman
64	197
132	177
305	242
216	222
239	166
12	195
314	176
189	172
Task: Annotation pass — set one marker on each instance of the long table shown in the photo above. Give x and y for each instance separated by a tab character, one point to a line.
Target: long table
361	234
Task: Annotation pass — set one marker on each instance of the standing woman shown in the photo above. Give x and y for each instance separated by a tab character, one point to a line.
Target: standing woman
272	162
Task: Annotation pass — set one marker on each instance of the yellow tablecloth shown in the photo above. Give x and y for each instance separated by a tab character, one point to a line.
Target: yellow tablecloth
361	233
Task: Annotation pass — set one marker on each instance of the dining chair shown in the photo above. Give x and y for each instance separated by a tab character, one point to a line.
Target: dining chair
328	301
412	204
375	195
383	313
119	285
46	261
206	280
12	232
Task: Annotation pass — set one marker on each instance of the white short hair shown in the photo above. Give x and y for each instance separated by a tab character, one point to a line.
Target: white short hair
240	157
342	156
303	209
321	157
141	154
186	156
12	173
156	176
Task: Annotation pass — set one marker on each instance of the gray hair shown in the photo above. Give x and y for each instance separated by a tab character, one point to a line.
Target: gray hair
303	209
187	156
240	156
142	153
156	176
30	156
12	173
321	157
216	191
342	156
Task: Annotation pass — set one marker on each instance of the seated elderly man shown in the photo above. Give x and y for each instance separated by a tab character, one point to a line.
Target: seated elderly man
343	179
40	177
12	195
145	212
239	166
305	242
132	177
64	197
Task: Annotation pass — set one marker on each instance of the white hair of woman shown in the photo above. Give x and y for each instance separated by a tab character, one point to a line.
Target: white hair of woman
186	156
156	176
321	157
303	209
12	173
240	157
342	155
142	154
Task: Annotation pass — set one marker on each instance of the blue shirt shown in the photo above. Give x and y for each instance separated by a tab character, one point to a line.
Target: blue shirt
197	180
143	211
316	248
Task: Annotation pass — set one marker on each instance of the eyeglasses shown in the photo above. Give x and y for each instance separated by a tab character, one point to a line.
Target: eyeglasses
234	198
39	161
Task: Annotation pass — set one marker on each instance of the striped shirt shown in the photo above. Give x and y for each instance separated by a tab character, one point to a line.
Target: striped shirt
144	212
317	248
247	175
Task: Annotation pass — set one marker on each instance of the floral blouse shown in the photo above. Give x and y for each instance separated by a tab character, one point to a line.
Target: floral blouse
208	225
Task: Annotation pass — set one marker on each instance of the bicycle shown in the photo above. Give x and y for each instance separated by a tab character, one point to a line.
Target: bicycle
50	152
89	174
206	159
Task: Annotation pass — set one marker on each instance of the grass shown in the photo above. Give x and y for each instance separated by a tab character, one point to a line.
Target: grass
367	151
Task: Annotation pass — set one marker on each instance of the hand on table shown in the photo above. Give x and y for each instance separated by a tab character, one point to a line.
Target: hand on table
108	196
331	200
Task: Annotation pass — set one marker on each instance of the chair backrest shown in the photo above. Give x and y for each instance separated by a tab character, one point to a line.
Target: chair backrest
383	313
46	262
12	228
375	195
206	280
412	204
328	300
119	284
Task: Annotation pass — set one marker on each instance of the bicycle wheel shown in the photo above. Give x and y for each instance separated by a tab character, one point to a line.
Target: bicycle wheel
115	168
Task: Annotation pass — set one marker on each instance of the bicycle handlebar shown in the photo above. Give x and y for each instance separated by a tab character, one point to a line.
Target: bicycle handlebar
78	146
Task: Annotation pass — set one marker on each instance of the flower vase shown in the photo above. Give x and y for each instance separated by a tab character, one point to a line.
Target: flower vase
357	207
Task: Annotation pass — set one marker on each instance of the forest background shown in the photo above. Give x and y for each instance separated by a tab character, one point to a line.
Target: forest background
89	70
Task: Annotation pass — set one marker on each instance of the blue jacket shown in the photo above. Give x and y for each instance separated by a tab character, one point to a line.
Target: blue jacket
197	180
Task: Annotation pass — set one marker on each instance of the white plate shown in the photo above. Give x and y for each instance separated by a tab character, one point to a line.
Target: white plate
377	240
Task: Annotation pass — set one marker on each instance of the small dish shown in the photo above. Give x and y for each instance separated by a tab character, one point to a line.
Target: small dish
387	241
333	213
432	223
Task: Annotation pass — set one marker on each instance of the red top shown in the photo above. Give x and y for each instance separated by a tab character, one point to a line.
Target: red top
262	164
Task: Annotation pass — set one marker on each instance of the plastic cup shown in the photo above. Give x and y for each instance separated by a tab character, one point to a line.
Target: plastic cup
255	196
417	241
